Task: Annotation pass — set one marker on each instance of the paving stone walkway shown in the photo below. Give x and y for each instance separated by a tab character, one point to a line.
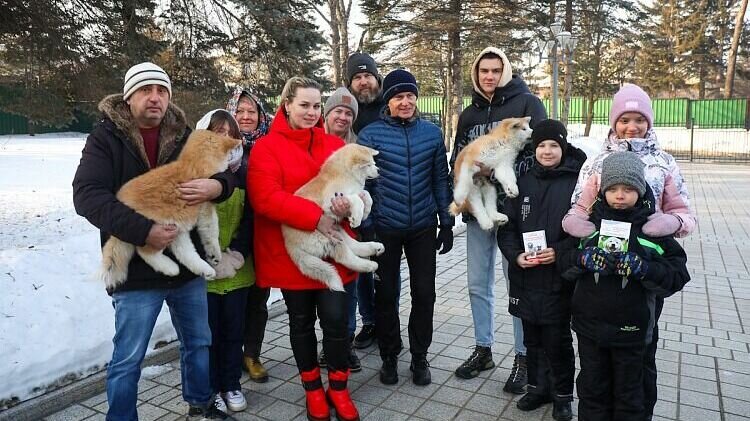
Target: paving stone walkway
703	358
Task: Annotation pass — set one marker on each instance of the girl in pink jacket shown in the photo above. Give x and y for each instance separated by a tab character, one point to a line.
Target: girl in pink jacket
632	119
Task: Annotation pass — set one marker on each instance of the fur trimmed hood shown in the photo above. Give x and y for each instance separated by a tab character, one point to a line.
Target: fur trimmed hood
504	78
172	130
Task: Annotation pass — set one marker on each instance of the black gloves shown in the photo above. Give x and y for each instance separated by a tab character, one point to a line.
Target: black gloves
444	239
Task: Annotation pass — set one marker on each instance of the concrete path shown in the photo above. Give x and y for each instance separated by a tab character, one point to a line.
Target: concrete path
703	358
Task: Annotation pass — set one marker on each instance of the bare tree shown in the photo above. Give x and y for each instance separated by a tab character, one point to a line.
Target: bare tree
732	60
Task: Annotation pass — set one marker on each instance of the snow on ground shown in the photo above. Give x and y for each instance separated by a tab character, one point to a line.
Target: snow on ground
56	321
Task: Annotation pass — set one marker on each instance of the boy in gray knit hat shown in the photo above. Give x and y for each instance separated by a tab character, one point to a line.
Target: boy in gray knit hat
615	291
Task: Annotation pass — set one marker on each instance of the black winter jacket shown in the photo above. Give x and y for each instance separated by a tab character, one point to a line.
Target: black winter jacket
368	113
605	311
113	155
539	295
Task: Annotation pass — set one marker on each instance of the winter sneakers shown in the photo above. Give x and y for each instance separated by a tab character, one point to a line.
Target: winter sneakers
562	410
388	371
198	413
219	403
317	405
365	338
420	369
517	380
339	398
235	400
532	401
480	360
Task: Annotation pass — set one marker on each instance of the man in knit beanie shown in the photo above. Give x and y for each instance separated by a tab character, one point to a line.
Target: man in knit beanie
364	82
141	129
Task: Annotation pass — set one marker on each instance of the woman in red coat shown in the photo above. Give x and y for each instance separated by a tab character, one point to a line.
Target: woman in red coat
282	161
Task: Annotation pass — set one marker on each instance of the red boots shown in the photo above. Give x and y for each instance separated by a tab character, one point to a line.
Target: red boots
317	407
338	396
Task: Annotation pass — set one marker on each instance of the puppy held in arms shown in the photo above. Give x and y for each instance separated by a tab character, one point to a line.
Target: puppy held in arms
344	172
155	196
497	150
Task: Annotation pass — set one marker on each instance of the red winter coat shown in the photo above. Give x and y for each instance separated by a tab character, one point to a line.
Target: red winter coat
281	162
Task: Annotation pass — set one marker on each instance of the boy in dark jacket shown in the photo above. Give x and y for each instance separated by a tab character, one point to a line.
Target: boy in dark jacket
619	278
538	296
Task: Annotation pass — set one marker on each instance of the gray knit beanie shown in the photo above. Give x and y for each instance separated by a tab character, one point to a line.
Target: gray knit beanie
623	168
341	98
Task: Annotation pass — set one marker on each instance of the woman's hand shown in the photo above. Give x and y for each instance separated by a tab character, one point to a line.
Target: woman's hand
546	256
200	190
329	227
340	206
484	170
522	261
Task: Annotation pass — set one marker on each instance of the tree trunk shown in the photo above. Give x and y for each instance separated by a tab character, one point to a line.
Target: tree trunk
333	7
455	57
446	113
732	60
590	101
568	81
344	11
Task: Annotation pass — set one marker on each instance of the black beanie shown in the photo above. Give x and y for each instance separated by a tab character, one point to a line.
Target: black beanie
549	130
358	63
399	81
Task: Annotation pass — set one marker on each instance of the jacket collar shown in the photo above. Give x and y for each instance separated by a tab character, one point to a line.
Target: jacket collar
641	147
637	215
172	129
280	125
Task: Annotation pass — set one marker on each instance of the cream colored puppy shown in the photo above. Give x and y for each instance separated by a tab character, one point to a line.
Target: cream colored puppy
345	172
155	196
498	150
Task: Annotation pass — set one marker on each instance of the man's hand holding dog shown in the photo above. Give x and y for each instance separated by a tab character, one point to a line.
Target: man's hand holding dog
200	190
161	235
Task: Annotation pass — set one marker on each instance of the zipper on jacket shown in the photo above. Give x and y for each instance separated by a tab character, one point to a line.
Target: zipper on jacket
408	169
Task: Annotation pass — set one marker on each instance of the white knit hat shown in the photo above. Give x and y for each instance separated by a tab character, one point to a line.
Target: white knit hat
143	74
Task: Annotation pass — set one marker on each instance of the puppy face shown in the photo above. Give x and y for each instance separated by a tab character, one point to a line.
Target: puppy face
518	129
362	159
204	146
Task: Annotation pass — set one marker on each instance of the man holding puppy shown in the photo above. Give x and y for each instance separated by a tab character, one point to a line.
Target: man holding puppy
141	129
497	95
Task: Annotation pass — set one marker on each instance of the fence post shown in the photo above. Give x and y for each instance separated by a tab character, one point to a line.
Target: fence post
692	133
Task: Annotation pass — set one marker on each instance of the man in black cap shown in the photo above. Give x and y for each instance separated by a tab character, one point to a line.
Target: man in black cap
365	83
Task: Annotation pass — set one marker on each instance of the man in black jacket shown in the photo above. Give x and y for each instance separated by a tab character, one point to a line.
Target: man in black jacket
365	83
140	130
498	94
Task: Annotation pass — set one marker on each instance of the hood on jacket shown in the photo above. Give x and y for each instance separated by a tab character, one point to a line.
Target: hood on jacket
641	147
171	130
505	77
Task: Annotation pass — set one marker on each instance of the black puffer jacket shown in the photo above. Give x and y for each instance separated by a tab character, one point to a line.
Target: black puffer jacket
113	155
368	113
603	309
538	294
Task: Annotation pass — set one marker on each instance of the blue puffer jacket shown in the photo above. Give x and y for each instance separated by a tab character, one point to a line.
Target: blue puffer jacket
412	188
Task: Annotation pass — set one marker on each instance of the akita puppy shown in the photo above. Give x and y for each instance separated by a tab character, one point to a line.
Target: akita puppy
344	172
155	196
498	150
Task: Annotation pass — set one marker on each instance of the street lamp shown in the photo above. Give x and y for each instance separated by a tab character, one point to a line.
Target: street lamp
548	50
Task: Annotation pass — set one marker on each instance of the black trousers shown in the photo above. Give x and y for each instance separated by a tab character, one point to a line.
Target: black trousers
225	318
550	359
256	316
331	306
650	394
419	247
610	384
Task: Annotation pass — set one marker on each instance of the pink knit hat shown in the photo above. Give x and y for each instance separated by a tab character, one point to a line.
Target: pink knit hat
631	98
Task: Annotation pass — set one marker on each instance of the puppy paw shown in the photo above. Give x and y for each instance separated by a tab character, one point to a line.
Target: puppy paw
208	273
500	218
511	191
354	222
378	249
371	266
336	285
170	269
486	224
213	254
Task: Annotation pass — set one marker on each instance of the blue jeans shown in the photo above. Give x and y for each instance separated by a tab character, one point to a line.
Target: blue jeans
481	250
135	316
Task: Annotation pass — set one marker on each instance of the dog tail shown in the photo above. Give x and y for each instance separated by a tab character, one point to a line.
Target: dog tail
455	209
116	255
